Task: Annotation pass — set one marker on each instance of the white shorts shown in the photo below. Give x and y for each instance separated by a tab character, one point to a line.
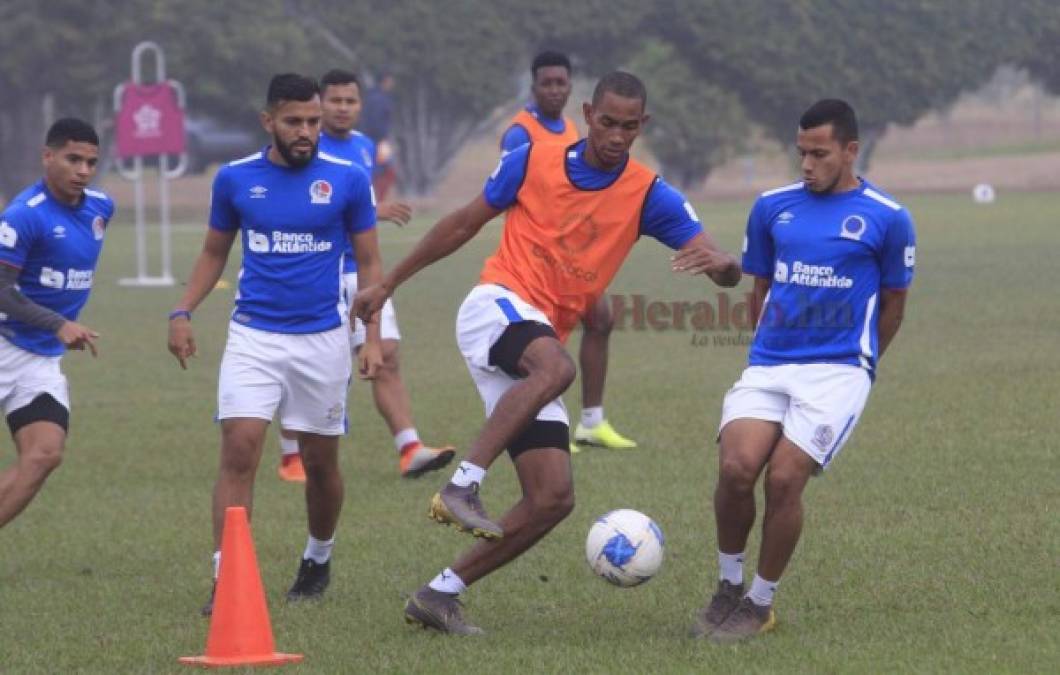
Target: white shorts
817	404
305	377
485	313
24	376
388	327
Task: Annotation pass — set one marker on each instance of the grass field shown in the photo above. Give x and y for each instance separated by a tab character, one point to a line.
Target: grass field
932	544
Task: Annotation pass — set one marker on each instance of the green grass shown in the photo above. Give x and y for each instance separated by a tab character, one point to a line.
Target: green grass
932	544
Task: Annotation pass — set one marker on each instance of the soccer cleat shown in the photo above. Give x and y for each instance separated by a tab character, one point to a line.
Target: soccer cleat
417	459
313	578
441	611
744	622
207	609
602	435
291	469
462	508
724	601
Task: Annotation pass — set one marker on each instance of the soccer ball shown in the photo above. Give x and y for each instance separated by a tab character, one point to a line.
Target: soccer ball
625	547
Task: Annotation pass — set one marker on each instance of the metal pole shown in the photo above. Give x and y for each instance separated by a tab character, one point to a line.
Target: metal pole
163	205
141	240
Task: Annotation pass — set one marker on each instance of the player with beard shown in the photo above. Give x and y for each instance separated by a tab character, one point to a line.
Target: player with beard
288	344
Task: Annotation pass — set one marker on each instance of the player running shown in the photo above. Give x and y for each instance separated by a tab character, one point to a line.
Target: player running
573	214
288	346
341	104
832	258
51	236
543	122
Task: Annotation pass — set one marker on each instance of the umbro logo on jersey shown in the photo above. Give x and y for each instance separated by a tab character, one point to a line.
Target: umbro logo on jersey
320	192
785	218
258	192
59	231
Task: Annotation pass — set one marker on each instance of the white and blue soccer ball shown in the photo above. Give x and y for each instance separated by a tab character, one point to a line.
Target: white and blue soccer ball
625	547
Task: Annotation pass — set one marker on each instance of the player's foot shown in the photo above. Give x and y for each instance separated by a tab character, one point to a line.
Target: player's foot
441	611
313	578
207	609
721	605
604	436
291	469
744	622
417	459
462	508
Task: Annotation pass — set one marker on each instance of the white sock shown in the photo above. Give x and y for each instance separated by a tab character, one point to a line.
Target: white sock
762	591
448	582
216	564
318	551
404	437
592	417
467	473
288	446
730	567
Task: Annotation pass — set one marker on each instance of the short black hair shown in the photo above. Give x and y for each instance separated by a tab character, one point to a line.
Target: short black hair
549	58
338	77
291	87
620	83
70	129
832	111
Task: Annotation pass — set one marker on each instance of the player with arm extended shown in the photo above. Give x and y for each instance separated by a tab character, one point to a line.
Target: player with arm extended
832	258
573	214
288	350
51	236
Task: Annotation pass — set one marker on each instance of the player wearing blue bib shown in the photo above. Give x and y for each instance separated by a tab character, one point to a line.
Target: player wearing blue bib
832	257
341	106
542	122
51	236
288	344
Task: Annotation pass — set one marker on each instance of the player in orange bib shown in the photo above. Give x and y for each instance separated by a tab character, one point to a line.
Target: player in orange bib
573	213
543	122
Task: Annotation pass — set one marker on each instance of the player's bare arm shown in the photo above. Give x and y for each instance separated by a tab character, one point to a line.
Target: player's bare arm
892	309
17	306
204	276
447	236
398	213
369	273
758	297
701	255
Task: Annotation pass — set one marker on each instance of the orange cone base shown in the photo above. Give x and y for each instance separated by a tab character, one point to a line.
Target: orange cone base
274	659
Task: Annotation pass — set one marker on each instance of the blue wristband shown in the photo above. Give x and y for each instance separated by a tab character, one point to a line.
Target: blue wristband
180	312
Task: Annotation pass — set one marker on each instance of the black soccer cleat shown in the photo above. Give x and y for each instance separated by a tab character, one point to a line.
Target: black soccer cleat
313	579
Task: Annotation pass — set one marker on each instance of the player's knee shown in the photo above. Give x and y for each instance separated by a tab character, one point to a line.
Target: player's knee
43	458
735	474
600	319
554	505
783	486
390	357
560	372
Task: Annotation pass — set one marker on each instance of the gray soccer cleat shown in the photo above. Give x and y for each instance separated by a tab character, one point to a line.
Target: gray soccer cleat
462	508
722	603
441	611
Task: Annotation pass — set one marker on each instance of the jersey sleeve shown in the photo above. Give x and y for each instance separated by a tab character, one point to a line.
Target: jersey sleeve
359	215
758	254
223	213
898	252
668	216
515	136
19	231
503	184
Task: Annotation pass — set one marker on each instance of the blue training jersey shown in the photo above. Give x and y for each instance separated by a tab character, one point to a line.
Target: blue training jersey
828	257
360	150
294	222
667	216
56	247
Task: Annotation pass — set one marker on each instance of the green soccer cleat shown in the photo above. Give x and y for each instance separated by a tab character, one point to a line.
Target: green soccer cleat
603	435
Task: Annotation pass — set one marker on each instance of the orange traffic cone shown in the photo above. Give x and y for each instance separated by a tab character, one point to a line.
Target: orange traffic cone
240	632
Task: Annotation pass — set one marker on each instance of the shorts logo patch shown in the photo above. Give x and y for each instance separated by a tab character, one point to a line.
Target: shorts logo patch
823	436
320	192
334	413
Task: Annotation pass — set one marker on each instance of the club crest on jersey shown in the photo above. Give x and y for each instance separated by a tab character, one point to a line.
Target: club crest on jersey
853	227
320	192
823	436
98	227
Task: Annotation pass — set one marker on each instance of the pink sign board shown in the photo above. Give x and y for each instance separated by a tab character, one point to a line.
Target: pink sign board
150	121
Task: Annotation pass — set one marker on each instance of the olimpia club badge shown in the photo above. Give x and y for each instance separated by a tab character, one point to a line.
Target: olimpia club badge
320	192
98	227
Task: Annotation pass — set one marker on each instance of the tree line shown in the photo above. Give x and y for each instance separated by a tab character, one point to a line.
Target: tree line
715	69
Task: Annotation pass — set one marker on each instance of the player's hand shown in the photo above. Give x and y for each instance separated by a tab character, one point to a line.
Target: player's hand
396	212
368	302
369	359
181	340
701	260
76	336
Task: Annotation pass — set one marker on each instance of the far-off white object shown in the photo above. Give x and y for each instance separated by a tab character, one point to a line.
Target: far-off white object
984	193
